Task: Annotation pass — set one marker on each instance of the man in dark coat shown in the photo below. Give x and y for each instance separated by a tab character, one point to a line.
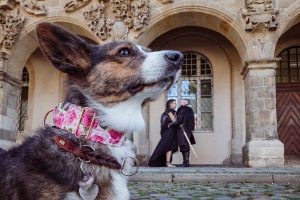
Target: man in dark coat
2	151
185	117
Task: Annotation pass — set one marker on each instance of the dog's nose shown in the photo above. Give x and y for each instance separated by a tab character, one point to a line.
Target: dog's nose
174	56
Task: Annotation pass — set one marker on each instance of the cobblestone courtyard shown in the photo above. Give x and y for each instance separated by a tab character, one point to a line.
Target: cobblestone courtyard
217	191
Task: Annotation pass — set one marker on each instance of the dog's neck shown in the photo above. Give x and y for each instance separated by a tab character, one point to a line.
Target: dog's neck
125	116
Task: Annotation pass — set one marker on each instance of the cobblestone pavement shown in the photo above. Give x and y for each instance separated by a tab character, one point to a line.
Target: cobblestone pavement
216	191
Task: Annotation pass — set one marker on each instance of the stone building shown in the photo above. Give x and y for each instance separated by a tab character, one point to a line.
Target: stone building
241	70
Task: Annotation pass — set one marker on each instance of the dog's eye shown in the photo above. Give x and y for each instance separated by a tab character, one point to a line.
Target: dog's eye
124	52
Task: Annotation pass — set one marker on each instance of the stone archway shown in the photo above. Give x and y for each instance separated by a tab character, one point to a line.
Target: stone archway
178	16
288	90
27	43
288	19
190	13
26	53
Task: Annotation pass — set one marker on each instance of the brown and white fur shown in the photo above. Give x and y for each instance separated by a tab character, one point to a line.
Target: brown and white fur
115	79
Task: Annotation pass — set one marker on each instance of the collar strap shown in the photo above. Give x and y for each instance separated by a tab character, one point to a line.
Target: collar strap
85	153
82	122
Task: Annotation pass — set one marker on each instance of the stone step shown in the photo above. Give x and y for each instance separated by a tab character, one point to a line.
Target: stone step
218	174
292	161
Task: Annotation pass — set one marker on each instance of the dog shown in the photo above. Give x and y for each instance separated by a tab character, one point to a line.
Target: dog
106	88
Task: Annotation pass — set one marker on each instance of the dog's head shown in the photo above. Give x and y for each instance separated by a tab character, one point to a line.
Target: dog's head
112	74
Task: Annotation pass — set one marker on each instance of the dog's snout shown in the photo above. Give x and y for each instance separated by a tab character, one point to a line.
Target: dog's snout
174	56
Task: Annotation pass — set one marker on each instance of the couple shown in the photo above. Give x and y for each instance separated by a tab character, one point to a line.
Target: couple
172	134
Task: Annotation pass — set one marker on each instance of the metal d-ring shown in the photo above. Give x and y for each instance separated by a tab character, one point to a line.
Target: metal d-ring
87	164
45	118
134	172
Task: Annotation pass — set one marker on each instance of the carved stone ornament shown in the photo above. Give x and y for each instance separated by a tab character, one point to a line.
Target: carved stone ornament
7	4
166	1
75	4
33	7
96	21
260	13
30	6
10	26
127	15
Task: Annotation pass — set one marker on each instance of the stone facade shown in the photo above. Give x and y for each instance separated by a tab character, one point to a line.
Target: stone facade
246	35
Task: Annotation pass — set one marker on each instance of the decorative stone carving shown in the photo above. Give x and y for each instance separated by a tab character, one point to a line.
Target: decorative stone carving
7	4
127	15
141	14
122	21
121	9
96	21
166	1
10	26
75	4
33	7
260	13
30	6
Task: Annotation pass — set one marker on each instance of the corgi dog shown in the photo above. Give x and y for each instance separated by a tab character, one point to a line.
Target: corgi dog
85	154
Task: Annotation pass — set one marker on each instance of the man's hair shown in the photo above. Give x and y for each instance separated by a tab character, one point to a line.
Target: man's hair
184	102
187	101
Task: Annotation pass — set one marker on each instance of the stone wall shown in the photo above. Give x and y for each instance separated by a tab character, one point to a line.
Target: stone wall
9	94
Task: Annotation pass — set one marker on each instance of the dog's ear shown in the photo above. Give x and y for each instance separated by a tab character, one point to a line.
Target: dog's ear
68	53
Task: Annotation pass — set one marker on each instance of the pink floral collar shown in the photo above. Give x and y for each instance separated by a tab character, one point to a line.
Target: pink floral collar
81	121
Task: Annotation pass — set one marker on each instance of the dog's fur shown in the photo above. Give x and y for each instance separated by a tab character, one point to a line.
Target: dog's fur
115	79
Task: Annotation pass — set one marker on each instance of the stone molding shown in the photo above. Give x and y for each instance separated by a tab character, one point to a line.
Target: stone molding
71	6
33	7
259	64
260	14
5	77
166	1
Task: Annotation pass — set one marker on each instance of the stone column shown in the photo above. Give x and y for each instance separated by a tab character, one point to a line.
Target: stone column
262	148
142	140
9	92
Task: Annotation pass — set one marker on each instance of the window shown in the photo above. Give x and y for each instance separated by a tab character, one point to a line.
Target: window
196	85
288	70
23	101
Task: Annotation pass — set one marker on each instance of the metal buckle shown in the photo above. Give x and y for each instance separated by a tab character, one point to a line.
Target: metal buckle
134	172
80	119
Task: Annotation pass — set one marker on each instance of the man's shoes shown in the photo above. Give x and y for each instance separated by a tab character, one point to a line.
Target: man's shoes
185	165
186	155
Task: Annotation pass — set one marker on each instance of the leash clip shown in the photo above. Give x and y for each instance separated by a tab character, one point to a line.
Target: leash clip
123	166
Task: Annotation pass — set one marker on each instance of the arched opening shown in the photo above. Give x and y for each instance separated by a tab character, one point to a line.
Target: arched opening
27	42
46	87
23	101
196	85
288	92
211	80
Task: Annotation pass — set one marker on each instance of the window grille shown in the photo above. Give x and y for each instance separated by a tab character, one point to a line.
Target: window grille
288	70
23	101
196	85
